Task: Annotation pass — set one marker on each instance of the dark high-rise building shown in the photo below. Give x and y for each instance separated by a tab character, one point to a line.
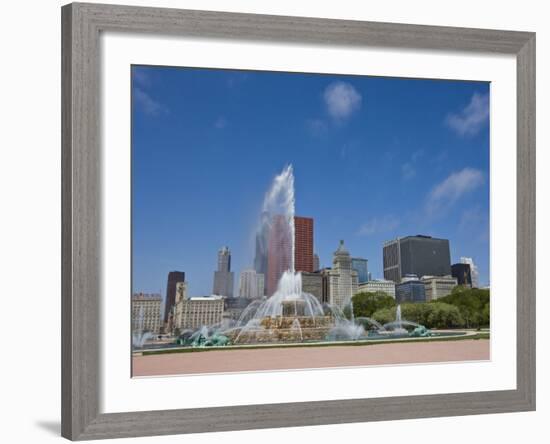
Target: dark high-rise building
411	289
173	278
462	273
361	266
279	251
223	276
303	244
419	255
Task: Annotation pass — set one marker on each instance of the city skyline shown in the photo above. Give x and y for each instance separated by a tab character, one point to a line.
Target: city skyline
383	171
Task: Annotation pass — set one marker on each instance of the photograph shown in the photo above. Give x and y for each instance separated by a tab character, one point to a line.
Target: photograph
287	220
274	222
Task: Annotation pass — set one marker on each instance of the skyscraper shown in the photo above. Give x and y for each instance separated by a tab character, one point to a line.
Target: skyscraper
419	255
361	266
279	252
223	277
173	278
473	270
342	278
316	263
303	244
462	273
251	284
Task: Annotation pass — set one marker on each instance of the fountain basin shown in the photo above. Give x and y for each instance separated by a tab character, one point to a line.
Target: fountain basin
284	329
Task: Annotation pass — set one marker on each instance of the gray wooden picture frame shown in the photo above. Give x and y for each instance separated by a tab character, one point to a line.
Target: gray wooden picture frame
81	232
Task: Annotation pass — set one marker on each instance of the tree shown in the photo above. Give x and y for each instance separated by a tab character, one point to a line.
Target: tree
384	315
473	304
444	316
416	312
365	304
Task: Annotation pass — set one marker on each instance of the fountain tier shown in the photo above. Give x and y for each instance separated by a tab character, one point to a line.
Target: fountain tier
289	315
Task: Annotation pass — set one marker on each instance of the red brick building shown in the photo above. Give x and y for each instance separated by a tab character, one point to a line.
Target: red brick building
303	245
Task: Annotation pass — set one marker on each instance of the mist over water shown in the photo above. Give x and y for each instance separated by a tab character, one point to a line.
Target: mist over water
278	208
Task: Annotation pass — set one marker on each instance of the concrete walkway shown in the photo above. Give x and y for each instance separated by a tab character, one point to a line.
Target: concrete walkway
239	360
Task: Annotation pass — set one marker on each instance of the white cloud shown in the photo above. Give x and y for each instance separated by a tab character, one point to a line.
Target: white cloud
341	100
147	104
447	192
470	120
378	225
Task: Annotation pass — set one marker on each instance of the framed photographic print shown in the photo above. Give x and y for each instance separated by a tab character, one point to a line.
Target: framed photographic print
303	215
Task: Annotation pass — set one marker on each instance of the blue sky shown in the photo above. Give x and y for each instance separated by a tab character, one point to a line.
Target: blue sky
374	158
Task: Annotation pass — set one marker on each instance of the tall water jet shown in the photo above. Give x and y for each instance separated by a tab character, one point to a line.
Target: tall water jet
275	234
280	200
